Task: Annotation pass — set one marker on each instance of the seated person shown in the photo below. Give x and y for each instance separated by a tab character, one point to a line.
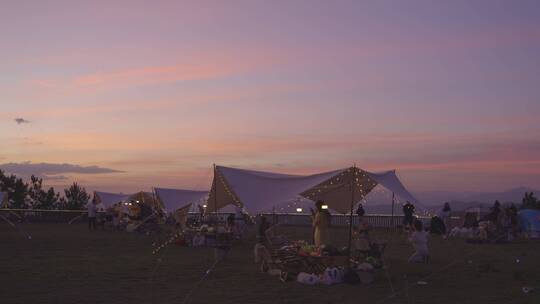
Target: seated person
437	226
273	238
419	240
360	240
261	230
180	218
199	239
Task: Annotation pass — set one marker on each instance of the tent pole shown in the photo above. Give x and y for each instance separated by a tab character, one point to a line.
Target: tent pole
154	197
393	206
352	206
393	203
215	196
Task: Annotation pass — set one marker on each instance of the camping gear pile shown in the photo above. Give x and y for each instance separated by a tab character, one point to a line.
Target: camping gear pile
204	236
309	264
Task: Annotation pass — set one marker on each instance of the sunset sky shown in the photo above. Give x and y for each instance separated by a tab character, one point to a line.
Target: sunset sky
129	95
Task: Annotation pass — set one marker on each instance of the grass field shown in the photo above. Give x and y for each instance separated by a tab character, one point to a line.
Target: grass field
68	264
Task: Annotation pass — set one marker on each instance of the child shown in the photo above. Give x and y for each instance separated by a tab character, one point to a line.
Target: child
419	240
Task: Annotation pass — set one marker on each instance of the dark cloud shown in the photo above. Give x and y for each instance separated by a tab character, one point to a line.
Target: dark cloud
49	170
21	120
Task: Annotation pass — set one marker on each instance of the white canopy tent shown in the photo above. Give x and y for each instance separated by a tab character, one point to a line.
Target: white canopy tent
390	181
258	191
174	199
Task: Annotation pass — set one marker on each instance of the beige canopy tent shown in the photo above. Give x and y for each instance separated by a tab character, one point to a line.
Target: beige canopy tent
146	198
352	185
349	185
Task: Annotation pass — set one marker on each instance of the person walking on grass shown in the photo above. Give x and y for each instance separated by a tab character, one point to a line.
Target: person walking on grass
91	208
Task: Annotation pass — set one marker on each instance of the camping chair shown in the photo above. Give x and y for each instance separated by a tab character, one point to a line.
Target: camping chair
275	254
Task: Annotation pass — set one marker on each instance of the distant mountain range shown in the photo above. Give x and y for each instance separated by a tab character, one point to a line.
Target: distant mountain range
438	197
433	200
380	202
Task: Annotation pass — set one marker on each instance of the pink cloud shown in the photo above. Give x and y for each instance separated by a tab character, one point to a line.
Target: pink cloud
151	75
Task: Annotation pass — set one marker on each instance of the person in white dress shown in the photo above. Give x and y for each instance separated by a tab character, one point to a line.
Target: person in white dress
92	210
419	240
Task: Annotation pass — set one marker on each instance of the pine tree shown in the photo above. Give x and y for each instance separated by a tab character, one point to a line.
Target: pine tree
75	197
16	189
39	198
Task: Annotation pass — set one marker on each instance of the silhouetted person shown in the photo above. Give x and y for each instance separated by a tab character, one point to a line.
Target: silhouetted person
495	212
512	215
445	212
408	215
444	215
201	213
230	221
360	212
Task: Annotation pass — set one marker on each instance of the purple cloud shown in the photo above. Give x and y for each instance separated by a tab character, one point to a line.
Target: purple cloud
48	169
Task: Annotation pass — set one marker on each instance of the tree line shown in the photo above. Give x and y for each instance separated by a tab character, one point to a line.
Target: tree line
33	195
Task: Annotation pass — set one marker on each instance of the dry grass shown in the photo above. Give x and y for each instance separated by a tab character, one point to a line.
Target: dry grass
68	264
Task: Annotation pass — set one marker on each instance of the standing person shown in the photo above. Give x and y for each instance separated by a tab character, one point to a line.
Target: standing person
360	212
513	217
419	240
495	211
444	215
408	213
239	222
201	213
230	222
91	208
495	215
321	222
